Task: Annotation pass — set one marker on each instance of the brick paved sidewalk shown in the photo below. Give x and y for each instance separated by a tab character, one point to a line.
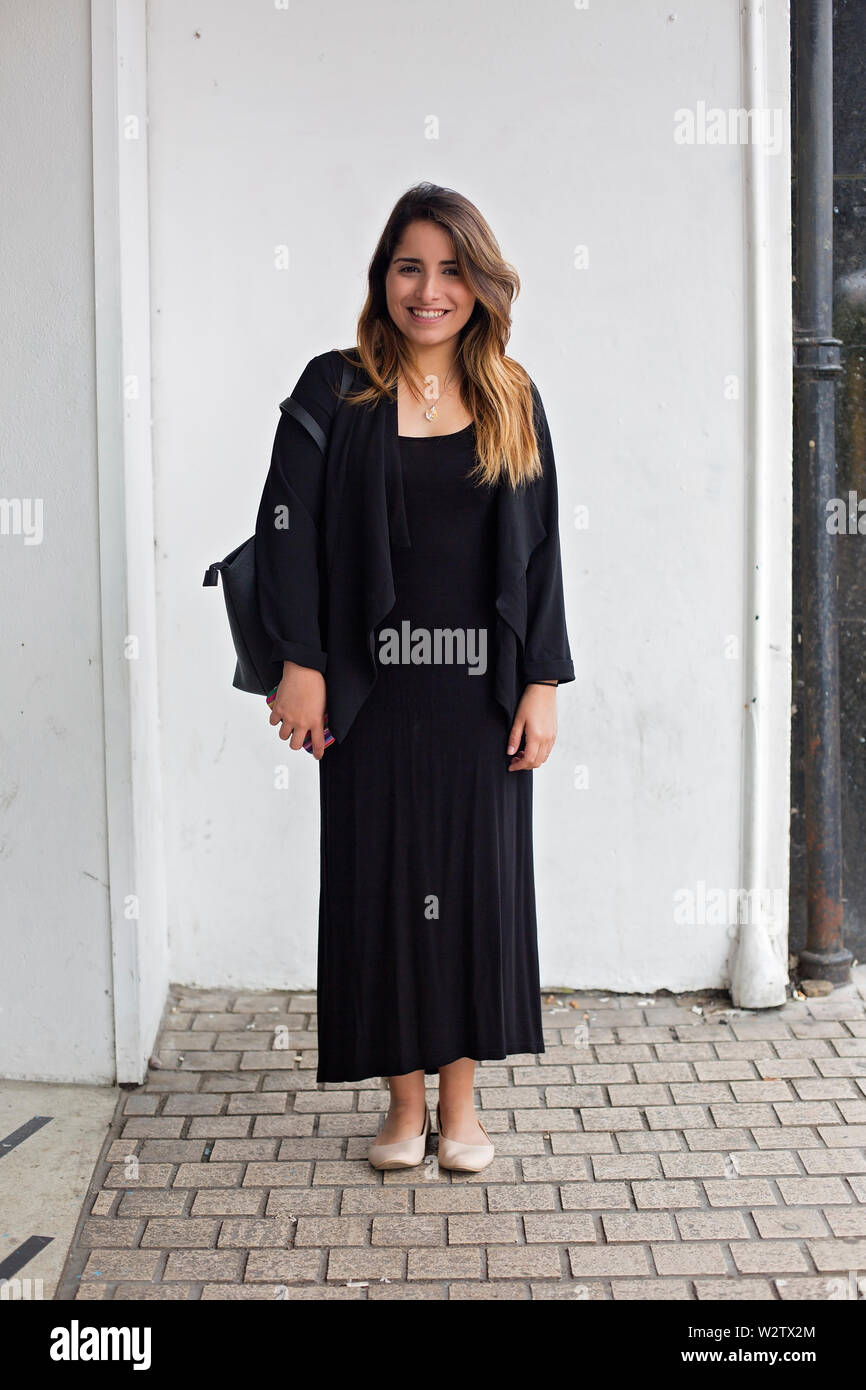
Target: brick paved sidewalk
664	1148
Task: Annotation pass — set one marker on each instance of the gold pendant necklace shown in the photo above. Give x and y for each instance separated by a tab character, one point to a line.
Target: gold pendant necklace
431	412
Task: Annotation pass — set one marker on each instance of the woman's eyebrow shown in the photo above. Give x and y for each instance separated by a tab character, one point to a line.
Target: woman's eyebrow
418	261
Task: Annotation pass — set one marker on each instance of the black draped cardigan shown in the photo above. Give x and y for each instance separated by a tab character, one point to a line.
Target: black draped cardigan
332	510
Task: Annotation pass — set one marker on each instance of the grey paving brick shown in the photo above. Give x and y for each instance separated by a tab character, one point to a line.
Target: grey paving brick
741	1192
625	1166
331	1231
484	1229
219	1126
121	1264
782	1137
524	1144
605	1260
303	1146
283	1266
638	1226
693	1051
594	1196
224	1081
181	1232
607	1074
733	1290
764	1163
640	1094
849	1137
278	1174
652	1289
788	1222
825	1088
551	1076
598	1142
774	1068
345	1124
706	1140
244	1150
171	1150
372	1200
511	1197
621	1117
151	1202
573	1096
192	1103
820	1161
510	1098
146	1175
223	1202
701	1093
442	1197
751	1051
730	1070
248	1233
845	1221
689	1257
651	1141
208	1175
654	1195
140	1104
453	1262
103	1204
258	1103
739	1114
693	1165
523	1262
769	1257
804	1112
558	1227
541	1121
408	1231
496	1290
751	1091
712	1225
307	1201
838	1255
110	1232
325	1102
824	1191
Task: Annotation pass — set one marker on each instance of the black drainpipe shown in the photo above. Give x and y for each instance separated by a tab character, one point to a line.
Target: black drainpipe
816	366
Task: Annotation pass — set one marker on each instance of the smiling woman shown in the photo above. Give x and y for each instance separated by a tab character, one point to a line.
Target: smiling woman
429	512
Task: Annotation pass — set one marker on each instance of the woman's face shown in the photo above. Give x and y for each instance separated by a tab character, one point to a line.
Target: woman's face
427	298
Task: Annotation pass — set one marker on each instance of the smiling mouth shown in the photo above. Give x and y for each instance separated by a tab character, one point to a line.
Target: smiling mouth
428	315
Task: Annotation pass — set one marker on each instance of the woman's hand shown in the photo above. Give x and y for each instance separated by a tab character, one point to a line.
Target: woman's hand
535	717
299	706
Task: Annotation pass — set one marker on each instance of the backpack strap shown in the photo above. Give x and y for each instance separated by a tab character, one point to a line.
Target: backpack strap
294	408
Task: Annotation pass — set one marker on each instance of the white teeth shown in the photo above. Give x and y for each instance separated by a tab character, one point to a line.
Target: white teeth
427	313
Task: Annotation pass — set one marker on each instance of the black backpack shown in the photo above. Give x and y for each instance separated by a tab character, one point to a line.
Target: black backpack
255	671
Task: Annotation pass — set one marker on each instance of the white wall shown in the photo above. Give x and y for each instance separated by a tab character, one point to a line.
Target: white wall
301	127
56	1020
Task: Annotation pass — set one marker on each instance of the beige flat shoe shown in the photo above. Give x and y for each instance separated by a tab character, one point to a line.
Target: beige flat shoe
408	1153
468	1158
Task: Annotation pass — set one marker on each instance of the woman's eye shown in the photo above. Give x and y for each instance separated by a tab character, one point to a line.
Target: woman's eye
409	269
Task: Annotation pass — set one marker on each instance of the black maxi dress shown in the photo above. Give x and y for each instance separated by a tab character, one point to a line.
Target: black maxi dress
427	930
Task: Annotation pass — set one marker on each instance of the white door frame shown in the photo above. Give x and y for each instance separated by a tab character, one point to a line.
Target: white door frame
136	863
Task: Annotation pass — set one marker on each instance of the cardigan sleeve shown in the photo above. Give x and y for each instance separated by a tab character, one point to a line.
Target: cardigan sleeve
287	536
547	655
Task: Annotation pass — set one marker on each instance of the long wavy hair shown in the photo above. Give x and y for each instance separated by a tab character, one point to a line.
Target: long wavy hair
495	389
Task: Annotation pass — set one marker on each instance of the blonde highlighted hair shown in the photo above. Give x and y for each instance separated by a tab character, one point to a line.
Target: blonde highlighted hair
495	389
